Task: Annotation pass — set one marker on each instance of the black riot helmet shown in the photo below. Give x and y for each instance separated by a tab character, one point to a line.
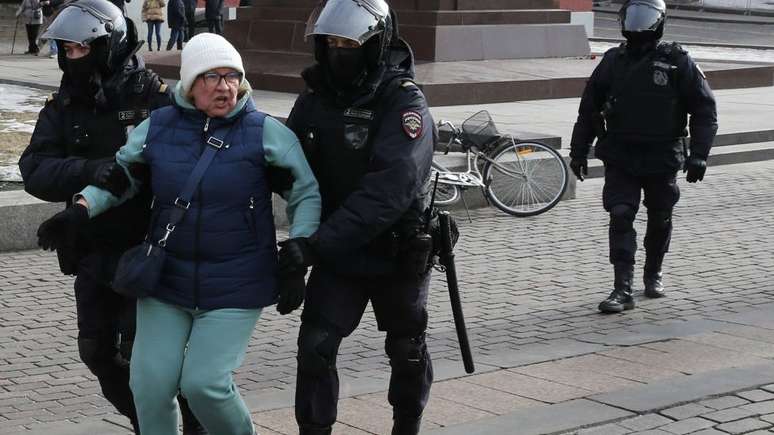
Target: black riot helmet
99	24
369	23
642	20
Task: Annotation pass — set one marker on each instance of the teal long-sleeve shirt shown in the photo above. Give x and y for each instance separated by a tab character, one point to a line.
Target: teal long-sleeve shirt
281	149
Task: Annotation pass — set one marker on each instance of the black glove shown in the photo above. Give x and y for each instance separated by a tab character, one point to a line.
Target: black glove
291	291
106	174
696	167
61	230
580	167
296	255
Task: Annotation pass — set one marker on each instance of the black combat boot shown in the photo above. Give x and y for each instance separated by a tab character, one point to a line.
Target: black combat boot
654	288
314	431
405	425
621	298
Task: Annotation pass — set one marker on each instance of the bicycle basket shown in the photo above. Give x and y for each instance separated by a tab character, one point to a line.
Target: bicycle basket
480	130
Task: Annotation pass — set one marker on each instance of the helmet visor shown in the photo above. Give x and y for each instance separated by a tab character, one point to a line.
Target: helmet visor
357	20
638	17
79	25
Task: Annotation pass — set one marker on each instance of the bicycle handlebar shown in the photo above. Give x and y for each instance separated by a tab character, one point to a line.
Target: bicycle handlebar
453	137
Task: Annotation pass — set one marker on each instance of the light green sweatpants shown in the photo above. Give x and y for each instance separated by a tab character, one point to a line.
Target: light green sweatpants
195	352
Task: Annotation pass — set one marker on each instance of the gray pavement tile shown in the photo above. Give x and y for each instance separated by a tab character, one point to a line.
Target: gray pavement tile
685	411
480	397
645	422
709	432
756	395
662	394
723	402
743	426
527	386
730	414
689	425
540	420
760	408
607	429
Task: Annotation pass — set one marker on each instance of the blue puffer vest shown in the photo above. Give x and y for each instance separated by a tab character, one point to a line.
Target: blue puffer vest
223	254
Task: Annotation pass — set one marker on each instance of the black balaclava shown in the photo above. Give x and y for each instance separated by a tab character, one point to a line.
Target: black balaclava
346	67
81	72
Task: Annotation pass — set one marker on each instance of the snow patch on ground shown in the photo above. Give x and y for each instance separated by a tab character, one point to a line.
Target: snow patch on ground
738	4
10	173
21	99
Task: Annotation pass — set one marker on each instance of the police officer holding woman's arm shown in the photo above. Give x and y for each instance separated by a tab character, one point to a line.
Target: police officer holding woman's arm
368	135
636	104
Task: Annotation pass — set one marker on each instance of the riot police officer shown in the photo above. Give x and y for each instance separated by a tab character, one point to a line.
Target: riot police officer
105	91
368	135
637	103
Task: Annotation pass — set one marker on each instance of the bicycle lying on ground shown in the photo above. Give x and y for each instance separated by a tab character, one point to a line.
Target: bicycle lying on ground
521	178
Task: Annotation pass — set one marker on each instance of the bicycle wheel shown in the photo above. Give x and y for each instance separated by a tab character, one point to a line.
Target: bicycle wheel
525	178
446	194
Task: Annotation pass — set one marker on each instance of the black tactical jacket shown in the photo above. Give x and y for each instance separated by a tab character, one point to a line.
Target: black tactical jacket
645	101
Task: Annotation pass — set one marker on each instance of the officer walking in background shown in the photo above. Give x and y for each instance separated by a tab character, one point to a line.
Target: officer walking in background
636	103
368	135
105	91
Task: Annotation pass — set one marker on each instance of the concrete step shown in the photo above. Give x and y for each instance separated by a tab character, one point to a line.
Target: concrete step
720	155
400	5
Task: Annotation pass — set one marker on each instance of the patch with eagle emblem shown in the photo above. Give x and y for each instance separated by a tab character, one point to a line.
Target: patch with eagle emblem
412	124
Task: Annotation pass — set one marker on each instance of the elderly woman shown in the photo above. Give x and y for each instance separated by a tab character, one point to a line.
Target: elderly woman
221	267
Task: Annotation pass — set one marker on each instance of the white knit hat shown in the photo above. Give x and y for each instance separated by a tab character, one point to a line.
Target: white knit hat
205	52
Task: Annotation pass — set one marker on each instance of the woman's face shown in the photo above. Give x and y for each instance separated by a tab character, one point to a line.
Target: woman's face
215	92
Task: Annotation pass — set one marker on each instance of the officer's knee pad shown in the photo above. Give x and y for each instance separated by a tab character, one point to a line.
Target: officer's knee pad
317	349
407	354
659	219
622	218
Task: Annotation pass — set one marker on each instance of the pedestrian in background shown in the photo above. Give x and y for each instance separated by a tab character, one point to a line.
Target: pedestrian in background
50	7
176	22
121	4
637	103
153	15
213	12
30	13
190	19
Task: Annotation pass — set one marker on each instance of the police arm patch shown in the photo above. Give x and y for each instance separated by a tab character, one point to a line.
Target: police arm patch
412	124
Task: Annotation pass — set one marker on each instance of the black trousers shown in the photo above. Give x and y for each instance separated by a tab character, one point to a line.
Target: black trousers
624	189
191	20
337	302
32	37
106	325
215	25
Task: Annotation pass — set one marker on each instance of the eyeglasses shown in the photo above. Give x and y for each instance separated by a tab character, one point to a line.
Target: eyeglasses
212	79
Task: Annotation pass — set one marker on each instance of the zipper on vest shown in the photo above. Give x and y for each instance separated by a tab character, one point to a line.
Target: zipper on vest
207	124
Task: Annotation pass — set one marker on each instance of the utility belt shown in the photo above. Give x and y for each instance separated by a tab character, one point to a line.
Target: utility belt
413	248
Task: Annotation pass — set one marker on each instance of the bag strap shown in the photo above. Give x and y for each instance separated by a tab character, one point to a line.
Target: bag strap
183	201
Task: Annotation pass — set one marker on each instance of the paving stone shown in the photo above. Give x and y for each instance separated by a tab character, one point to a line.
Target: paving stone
743	426
724	402
688	425
709	432
756	395
540	420
527	386
760	408
730	414
645	422
480	397
685	411
608	429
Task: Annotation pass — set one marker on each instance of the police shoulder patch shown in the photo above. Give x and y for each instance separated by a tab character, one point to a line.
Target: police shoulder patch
412	123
